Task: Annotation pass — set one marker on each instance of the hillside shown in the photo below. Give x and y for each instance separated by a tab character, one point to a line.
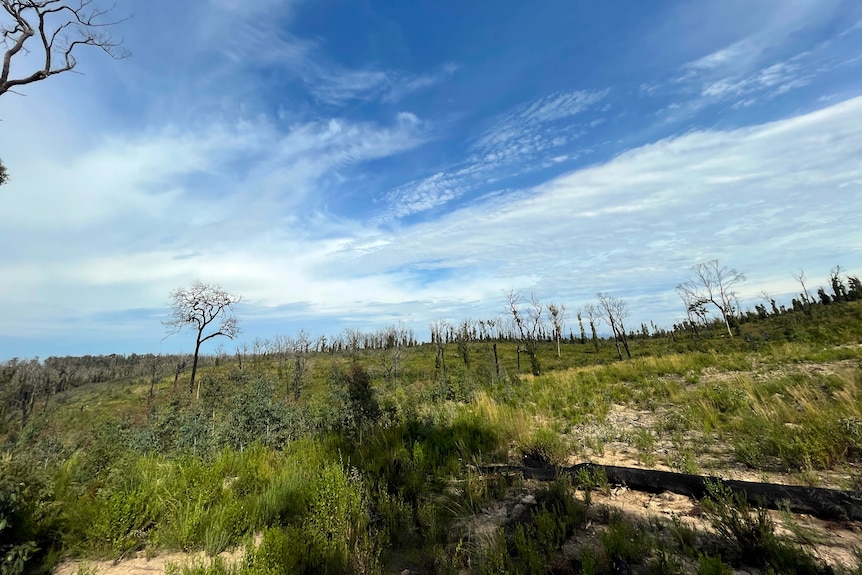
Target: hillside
372	460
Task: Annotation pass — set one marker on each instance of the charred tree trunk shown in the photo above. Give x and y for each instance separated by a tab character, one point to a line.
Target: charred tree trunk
831	504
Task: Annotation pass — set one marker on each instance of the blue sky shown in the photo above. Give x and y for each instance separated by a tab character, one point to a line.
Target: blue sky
362	163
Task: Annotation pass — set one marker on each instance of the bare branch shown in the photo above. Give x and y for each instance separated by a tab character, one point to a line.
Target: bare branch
712	285
615	311
55	29
202	306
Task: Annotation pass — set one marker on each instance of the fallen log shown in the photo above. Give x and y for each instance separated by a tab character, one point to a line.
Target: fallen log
830	504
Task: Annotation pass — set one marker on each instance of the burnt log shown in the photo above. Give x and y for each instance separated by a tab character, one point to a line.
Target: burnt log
830	504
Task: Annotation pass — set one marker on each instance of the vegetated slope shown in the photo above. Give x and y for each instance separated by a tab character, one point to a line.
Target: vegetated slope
372	468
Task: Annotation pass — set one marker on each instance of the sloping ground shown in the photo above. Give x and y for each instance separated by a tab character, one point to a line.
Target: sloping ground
630	436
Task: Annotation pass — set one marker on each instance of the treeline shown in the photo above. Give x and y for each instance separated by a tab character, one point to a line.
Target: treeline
710	302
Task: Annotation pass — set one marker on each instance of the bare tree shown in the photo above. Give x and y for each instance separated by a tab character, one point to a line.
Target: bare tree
592	317
615	311
301	345
800	277
527	324
558	317
712	285
438	329
200	306
53	29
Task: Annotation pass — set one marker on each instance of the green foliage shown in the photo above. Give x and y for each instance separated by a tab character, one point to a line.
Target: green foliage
625	542
529	545
546	446
712	565
749	535
29	519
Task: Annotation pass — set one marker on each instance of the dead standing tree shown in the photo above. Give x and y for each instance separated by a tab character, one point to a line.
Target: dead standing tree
711	285
527	325
200	306
558	318
615	311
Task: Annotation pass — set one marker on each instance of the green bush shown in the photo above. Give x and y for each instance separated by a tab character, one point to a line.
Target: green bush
29	520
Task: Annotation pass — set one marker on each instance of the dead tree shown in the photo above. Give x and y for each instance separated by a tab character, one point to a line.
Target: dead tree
615	311
51	31
558	317
201	306
800	277
712	285
592	317
438	329
527	324
301	345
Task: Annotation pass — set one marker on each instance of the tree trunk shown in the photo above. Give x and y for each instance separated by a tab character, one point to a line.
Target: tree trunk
195	364
830	504
496	360
626	343
726	324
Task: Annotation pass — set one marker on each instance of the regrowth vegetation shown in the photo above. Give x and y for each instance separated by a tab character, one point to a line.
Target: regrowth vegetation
361	452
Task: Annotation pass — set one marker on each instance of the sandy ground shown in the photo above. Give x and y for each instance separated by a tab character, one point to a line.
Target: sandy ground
141	564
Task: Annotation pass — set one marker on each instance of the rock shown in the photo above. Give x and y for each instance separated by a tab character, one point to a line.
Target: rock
518	509
529	500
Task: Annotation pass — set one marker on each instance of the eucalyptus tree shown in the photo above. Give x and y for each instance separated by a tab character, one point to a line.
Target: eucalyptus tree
527	319
208	310
558	318
614	311
712	285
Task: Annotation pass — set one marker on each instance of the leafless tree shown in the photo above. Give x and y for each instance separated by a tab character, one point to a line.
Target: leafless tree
592	317
438	330
614	311
712	284
558	318
182	361
53	29
800	277
395	338
241	352
202	306
300	351
527	323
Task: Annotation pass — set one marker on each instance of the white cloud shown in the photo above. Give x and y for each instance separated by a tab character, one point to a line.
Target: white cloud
744	196
766	200
336	85
517	142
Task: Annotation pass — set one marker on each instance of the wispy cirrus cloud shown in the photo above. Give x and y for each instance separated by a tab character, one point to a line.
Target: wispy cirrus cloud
260	36
519	141
741	195
770	62
335	85
536	125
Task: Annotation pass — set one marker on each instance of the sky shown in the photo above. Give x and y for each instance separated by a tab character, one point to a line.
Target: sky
358	164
